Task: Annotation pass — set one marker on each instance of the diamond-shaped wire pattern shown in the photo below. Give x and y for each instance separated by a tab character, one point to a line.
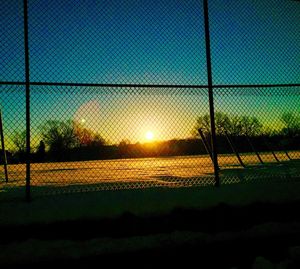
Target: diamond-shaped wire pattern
11	41
255	42
136	42
262	128
12	100
119	95
103	136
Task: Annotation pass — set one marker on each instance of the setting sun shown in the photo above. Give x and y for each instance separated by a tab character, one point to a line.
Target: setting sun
149	135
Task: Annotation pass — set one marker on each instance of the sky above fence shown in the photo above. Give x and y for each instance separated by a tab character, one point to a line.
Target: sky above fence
156	42
145	42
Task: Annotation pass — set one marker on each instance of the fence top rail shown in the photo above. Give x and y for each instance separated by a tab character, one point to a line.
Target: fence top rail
118	85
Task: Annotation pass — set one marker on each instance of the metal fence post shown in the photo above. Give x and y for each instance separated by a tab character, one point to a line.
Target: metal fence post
210	95
27	81
3	148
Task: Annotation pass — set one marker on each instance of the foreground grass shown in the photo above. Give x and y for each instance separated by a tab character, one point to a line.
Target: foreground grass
176	249
142	202
238	242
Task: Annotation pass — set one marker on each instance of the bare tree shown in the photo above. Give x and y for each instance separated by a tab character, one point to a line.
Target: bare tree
87	137
234	125
250	126
291	122
19	140
59	136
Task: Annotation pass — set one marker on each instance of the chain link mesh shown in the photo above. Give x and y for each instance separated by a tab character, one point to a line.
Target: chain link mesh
12	42
255	42
119	94
138	42
261	128
105	138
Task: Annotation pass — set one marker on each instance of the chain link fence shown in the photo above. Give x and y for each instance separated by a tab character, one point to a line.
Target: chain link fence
119	96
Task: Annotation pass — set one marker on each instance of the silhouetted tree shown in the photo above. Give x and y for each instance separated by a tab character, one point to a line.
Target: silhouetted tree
59	136
291	122
203	122
19	140
234	125
124	142
87	137
97	141
223	123
124	148
245	125
84	135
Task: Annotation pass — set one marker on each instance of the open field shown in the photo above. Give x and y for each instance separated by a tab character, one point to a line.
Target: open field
141	222
171	171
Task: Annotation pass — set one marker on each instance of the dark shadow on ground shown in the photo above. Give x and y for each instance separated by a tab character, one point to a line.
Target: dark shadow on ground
224	252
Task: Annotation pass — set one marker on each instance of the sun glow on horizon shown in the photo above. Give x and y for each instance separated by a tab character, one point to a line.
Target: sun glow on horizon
149	136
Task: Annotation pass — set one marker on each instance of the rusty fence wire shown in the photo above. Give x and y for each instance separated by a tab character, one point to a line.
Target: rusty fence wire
119	94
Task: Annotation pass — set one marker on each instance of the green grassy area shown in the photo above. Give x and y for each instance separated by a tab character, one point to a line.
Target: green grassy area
155	209
73	229
143	202
134	251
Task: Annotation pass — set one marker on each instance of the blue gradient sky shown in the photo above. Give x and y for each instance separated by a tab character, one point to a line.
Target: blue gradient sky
135	41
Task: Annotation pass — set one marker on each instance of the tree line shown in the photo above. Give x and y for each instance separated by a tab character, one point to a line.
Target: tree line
71	141
249	125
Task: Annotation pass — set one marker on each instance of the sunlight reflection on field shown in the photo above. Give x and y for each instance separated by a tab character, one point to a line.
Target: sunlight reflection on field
158	170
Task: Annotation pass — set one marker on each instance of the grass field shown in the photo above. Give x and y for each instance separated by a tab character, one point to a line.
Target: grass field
143	172
74	213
